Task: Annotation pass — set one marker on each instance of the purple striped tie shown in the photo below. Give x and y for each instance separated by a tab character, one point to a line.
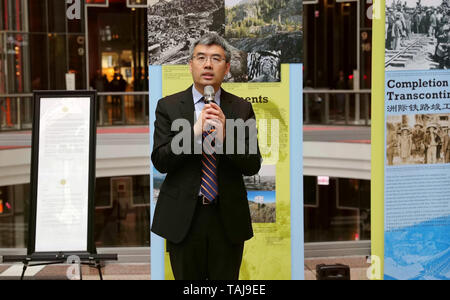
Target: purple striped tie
209	186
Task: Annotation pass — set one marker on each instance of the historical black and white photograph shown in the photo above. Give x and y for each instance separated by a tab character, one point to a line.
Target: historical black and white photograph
264	66
266	25
263	34
417	139
173	25
417	34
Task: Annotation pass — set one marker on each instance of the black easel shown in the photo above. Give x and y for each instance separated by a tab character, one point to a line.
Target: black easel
86	256
86	259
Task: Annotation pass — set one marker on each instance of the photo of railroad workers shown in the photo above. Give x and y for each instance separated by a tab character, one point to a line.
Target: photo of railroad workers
417	139
417	34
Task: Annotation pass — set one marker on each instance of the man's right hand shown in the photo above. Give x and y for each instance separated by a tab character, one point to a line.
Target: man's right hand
209	117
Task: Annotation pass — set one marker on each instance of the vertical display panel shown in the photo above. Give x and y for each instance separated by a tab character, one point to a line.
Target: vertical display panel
416	106
266	71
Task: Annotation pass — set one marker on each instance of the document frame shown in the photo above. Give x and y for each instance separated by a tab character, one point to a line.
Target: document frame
88	131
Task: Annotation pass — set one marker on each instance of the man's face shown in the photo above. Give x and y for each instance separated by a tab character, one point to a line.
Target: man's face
210	72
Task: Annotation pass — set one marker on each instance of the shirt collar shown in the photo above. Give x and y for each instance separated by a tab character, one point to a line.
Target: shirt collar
197	95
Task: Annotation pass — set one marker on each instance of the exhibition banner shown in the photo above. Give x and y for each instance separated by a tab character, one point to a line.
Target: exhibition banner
266	71
416	134
417	176
267	255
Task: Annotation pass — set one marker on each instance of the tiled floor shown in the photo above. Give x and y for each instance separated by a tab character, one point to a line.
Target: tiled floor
358	268
62	272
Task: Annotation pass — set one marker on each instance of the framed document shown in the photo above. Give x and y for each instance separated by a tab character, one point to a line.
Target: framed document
63	172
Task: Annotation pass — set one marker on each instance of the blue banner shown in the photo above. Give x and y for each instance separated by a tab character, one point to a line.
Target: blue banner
417	175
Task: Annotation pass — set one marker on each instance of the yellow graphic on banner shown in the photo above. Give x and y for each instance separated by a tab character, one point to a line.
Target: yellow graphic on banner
268	254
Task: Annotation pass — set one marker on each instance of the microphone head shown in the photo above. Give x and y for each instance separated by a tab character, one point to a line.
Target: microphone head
209	93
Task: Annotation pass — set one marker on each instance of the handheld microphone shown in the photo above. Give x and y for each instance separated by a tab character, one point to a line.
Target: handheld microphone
209	94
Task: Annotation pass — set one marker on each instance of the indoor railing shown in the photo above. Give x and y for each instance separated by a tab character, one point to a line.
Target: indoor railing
337	107
320	107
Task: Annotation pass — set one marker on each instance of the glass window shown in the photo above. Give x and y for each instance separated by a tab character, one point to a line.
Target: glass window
39	62
330	44
77	25
70	50
118	62
50	16
8	113
51	35
37	16
366	45
17	49
77	59
26	112
14	216
12	14
310	191
6	232
57	67
366	58
118	45
2	13
341	211
122	213
2	65
56	16
337	211
366	14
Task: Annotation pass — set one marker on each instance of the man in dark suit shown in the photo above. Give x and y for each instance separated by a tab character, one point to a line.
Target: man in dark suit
202	209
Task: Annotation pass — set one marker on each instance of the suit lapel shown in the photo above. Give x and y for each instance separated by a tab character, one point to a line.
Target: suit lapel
226	104
187	107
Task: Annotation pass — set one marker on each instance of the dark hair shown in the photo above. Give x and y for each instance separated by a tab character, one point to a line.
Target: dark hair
212	39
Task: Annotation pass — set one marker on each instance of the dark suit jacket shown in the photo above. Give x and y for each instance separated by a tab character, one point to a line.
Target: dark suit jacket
179	192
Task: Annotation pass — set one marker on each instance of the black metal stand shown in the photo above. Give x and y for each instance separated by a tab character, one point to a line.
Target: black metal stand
92	260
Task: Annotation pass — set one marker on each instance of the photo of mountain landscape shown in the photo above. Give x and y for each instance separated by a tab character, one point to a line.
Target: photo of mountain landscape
266	25
261	18
261	194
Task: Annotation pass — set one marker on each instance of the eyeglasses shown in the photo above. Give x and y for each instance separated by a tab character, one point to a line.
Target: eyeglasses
202	59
